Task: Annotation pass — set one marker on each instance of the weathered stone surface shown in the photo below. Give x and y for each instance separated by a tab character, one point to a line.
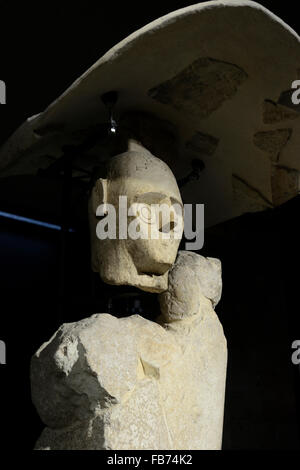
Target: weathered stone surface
272	142
94	380
65	371
275	112
192	277
285	184
201	88
129	383
145	181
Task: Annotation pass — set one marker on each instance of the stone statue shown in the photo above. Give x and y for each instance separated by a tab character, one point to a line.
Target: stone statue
130	383
143	179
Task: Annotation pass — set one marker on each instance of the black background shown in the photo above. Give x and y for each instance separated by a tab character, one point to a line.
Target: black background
44	47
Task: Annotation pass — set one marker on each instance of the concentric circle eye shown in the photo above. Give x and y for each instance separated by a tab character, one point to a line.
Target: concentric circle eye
146	213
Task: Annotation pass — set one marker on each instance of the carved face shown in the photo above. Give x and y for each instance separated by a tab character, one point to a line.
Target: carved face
154	224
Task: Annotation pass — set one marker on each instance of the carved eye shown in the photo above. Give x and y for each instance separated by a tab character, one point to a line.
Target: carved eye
146	213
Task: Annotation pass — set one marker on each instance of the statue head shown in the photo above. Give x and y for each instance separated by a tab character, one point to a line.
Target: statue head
142	255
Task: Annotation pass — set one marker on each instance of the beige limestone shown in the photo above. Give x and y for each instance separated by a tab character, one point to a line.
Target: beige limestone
129	383
147	181
192	275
